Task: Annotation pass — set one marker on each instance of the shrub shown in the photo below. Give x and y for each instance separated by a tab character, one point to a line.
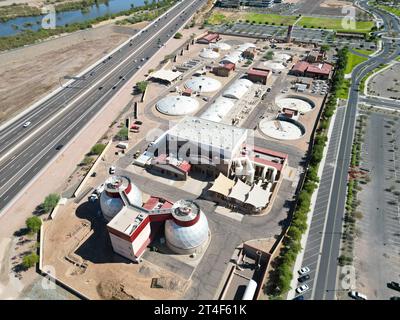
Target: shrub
178	35
87	161
97	149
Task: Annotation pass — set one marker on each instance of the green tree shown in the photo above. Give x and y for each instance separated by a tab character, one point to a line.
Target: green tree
97	149
123	134
50	202
33	224
30	260
142	85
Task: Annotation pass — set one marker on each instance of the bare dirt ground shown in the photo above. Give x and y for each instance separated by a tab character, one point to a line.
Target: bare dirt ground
78	247
46	62
323	7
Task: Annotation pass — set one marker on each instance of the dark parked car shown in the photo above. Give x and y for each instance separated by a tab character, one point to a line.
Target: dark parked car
59	146
394	285
138	122
299	298
394	298
304	278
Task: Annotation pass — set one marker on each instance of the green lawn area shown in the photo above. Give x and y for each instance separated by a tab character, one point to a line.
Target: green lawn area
395	11
217	18
363	51
275	19
270	18
343	92
334	23
352	61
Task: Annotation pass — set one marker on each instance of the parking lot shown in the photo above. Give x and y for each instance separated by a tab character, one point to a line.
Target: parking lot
307	35
386	83
377	248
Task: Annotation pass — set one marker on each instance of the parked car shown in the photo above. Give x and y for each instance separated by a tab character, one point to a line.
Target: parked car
138	122
59	147
394	298
93	197
303	288
304	271
357	295
394	285
304	278
299	298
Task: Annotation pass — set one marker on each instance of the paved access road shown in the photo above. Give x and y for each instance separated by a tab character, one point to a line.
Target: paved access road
25	151
380	102
326	272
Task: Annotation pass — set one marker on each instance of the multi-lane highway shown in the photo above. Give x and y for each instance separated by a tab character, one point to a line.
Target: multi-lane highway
25	151
326	273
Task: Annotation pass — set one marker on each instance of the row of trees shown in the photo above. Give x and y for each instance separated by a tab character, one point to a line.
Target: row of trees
282	275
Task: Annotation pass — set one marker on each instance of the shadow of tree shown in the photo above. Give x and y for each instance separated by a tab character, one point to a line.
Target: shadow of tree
21	232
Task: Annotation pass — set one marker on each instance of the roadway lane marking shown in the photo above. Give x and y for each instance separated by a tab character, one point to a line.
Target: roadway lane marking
96	83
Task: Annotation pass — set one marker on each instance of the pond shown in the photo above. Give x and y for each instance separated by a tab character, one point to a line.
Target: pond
14	26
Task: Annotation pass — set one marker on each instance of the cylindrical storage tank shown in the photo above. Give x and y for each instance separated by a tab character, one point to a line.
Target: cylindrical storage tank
187	231
112	200
250	290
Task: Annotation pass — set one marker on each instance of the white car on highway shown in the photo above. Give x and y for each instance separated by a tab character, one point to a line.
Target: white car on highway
304	271
27	124
303	288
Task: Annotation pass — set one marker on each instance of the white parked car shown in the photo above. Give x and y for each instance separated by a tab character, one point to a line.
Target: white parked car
357	295
303	288
27	124
304	271
100	188
93	197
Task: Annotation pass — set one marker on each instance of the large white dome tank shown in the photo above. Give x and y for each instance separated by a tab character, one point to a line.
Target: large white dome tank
187	231
111	199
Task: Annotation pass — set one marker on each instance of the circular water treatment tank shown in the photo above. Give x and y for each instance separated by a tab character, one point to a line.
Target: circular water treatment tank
203	84
111	202
209	54
302	104
187	231
177	105
282	129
